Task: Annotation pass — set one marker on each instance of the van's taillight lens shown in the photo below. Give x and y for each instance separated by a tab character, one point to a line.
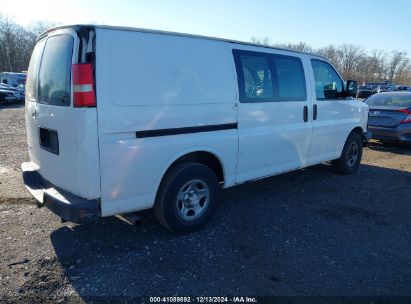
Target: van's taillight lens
83	85
408	118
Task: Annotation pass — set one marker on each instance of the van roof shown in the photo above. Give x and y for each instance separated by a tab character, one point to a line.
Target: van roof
161	32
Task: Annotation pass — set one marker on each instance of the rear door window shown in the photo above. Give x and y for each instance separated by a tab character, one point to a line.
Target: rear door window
55	71
31	91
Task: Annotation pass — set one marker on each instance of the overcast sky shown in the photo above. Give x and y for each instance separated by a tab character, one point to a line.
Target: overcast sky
373	24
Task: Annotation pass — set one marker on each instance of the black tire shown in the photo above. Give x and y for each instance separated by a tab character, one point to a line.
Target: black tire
346	164
167	206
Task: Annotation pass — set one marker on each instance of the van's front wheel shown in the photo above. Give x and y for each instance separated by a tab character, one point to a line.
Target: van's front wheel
187	198
351	155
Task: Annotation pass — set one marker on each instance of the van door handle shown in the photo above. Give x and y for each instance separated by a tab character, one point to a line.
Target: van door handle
314	112
305	113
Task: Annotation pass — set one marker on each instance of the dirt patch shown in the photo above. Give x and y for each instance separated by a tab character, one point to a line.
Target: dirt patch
15	200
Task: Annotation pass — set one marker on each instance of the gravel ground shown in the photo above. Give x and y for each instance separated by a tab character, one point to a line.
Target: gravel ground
13	151
308	232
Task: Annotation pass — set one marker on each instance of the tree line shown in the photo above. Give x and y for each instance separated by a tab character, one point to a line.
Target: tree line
17	43
352	61
355	62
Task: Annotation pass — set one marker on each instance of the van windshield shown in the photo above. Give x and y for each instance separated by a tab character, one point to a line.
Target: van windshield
55	71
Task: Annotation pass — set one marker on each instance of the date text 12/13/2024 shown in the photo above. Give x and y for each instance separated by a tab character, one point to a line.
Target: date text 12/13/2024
175	299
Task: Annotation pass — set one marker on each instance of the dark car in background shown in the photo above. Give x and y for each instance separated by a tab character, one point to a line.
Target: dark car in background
18	94
379	87
15	82
364	91
13	79
403	88
390	116
384	88
7	96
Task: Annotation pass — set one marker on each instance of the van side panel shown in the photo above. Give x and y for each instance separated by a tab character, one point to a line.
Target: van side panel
149	81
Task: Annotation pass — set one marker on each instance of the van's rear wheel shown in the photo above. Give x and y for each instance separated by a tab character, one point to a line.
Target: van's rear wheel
351	155
187	198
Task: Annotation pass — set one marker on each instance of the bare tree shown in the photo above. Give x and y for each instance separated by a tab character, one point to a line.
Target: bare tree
332	54
264	41
350	56
398	66
300	47
353	62
17	43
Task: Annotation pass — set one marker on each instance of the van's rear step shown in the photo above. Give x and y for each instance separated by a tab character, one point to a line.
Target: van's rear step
66	205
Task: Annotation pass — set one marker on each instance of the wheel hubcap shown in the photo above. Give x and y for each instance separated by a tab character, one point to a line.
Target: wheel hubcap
352	154
193	199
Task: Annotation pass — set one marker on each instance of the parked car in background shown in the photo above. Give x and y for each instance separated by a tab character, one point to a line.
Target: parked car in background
379	87
390	116
13	79
6	96
403	88
17	92
364	91
384	88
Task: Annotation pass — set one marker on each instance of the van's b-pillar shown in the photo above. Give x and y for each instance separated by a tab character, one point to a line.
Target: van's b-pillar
305	113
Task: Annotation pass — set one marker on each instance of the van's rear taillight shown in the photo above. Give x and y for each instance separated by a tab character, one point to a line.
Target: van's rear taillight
83	85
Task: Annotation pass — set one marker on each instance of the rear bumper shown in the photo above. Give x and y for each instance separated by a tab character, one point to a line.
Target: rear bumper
66	205
402	133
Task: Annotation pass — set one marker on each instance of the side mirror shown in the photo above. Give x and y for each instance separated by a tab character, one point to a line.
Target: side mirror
351	88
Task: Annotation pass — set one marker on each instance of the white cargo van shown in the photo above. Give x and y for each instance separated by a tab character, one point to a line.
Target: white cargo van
122	119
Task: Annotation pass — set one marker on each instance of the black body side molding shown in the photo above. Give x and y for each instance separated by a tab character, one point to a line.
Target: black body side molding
185	130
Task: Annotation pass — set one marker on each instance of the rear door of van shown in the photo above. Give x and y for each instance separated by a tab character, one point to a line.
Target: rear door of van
62	139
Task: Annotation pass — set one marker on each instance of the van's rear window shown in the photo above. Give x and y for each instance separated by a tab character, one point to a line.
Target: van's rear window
31	90
55	71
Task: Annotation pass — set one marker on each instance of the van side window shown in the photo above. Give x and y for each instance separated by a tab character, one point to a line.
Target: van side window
257	77
290	76
264	77
4	80
328	85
